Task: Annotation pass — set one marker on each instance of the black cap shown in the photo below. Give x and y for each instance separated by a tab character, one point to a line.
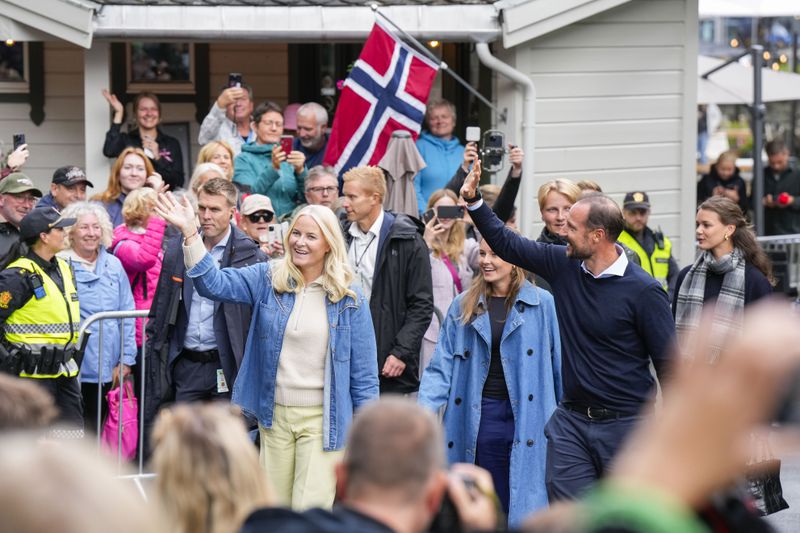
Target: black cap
42	220
636	200
69	176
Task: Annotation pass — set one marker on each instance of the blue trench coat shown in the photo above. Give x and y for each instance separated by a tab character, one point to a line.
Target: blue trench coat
531	356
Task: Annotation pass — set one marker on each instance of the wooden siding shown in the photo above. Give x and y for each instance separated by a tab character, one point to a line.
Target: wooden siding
611	104
59	139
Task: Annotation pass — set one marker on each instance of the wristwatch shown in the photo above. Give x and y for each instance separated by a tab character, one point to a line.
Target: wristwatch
474	198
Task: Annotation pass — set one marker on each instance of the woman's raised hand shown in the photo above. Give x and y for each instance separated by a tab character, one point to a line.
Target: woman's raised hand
179	213
116	105
471	182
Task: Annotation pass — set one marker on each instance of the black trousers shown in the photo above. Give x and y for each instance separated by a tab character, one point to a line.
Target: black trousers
196	382
66	393
90	406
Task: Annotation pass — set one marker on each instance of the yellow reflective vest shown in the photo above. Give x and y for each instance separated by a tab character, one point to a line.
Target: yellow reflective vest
51	320
657	264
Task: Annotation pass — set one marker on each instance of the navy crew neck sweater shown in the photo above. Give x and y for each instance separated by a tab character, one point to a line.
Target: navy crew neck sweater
610	327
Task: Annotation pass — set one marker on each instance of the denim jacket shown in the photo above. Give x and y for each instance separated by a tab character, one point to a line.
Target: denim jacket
530	352
351	364
105	289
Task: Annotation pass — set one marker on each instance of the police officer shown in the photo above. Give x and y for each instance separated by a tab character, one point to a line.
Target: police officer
40	315
653	247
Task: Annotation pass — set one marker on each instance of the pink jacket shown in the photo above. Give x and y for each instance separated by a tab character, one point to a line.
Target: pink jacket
141	255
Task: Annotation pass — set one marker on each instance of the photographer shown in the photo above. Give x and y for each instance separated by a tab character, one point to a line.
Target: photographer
41	316
503	207
393	479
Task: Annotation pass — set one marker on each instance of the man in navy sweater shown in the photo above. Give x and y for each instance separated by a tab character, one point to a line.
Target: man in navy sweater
614	319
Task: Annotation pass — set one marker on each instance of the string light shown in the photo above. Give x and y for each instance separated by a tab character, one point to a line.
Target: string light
767	55
9	42
734	43
434	44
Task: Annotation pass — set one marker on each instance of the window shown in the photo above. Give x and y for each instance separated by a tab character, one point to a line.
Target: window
160	67
14	75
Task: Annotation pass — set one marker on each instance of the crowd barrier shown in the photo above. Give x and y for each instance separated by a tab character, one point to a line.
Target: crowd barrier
120	317
784	250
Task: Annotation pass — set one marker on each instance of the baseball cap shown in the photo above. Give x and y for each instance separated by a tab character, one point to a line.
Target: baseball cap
256	202
16	183
636	200
70	176
42	220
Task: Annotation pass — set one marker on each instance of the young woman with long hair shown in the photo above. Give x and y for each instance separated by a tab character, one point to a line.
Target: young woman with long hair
731	272
497	372
310	358
129	172
454	258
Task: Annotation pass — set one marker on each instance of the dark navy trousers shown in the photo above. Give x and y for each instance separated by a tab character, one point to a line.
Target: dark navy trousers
580	450
495	438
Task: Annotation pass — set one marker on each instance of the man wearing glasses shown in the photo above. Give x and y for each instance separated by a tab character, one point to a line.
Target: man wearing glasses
18	195
321	188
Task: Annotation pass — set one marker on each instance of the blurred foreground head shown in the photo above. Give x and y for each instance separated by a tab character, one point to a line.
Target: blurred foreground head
208	475
24	405
65	487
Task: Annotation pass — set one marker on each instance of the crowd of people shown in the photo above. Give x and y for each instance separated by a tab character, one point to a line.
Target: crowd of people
280	287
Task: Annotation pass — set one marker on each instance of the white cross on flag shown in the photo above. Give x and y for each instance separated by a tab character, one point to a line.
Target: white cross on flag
387	90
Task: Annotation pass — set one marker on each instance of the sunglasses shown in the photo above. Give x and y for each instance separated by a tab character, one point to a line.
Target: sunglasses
264	216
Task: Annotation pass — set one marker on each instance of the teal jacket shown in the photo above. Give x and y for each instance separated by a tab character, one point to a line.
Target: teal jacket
253	168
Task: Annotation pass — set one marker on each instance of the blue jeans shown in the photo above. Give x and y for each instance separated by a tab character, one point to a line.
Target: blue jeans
580	450
495	438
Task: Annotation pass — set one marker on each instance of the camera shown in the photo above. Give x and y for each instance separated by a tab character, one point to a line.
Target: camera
493	150
234	79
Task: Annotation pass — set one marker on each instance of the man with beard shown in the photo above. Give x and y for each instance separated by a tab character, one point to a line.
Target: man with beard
312	119
229	119
614	320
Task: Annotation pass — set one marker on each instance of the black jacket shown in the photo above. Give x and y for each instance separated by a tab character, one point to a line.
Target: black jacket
401	302
169	314
10	244
339	520
707	184
169	165
782	220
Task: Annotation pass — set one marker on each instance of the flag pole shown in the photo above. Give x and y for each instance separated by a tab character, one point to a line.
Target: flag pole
501	115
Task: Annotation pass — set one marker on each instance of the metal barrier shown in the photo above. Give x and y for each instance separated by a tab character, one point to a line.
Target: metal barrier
784	250
119	316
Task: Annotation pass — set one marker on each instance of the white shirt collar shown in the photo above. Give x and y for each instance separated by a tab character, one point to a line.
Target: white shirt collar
617	268
375	229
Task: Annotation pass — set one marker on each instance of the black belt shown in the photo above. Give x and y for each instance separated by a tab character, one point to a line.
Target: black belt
594	413
208	356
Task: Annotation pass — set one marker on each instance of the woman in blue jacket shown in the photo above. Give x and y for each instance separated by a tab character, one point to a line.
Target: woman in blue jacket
102	285
497	371
310	358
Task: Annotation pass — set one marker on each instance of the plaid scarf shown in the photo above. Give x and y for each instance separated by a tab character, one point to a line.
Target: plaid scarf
729	306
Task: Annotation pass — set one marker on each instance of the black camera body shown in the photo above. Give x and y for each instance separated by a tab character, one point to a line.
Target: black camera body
492	150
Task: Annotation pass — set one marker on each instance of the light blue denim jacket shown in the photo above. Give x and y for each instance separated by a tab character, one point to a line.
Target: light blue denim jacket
105	289
351	365
530	350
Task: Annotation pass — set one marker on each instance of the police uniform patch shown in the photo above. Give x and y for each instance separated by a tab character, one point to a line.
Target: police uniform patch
638	197
5	298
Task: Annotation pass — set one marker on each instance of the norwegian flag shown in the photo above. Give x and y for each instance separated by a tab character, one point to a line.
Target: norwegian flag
387	90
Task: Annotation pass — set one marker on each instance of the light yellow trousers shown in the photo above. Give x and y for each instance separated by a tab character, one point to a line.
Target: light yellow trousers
300	471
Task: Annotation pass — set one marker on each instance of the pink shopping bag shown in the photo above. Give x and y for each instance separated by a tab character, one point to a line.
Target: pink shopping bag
129	426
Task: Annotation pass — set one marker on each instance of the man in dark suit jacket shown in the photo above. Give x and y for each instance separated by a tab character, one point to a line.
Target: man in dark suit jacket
195	346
